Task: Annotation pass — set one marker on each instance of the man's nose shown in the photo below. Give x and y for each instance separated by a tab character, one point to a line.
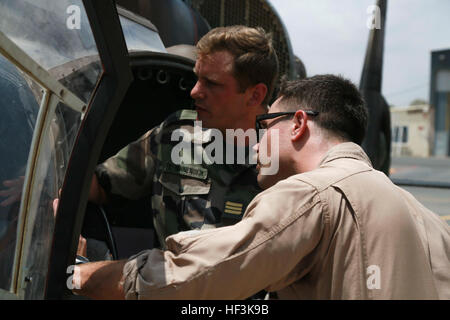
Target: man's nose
196	92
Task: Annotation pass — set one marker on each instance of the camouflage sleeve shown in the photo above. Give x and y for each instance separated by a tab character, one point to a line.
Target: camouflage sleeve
129	173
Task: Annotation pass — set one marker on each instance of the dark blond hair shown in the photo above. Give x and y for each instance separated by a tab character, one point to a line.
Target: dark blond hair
255	59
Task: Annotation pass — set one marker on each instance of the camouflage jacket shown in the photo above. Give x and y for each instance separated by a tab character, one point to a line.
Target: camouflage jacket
183	196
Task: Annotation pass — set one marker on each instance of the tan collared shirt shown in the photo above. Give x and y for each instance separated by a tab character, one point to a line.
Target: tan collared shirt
342	231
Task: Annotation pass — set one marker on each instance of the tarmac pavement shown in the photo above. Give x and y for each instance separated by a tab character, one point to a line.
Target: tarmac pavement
428	179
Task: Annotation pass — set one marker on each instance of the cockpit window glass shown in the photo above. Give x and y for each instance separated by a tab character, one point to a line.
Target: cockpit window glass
58	141
57	35
20	101
140	38
19	107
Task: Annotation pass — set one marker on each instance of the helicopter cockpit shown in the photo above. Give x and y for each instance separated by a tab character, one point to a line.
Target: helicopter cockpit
78	81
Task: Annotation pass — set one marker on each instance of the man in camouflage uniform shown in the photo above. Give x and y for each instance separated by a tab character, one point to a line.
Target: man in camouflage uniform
236	69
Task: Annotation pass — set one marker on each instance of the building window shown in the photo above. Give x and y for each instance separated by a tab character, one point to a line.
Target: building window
395	134
405	134
400	134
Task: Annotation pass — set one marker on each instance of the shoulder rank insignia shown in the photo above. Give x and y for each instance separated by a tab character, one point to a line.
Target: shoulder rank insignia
233	208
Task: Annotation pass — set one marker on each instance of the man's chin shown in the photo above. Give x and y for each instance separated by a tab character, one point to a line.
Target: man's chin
201	113
203	116
266	181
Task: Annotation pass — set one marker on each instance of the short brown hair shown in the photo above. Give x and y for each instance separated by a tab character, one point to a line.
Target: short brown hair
255	59
342	111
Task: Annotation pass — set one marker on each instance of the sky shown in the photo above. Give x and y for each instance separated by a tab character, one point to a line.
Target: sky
331	36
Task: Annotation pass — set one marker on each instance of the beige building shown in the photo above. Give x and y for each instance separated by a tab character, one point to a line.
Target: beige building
411	131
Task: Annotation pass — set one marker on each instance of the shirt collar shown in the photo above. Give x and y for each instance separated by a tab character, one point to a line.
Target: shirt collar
346	150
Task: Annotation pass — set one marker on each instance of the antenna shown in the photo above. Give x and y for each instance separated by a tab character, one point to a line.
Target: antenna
377	142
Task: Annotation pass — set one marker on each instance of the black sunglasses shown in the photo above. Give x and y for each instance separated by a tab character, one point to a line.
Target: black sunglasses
267	116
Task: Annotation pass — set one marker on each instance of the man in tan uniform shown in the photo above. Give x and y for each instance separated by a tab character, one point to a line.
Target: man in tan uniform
329	226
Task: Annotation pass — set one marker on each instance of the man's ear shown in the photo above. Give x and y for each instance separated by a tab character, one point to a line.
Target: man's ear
299	125
257	93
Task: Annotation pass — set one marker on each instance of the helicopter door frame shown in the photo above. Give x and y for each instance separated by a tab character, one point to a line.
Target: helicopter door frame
110	91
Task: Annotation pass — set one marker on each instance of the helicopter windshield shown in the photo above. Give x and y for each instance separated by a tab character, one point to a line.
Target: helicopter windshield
38	128
55	33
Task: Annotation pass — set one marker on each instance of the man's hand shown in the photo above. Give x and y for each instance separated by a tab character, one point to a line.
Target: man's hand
82	243
96	192
100	280
55	206
96	280
14	191
82	247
